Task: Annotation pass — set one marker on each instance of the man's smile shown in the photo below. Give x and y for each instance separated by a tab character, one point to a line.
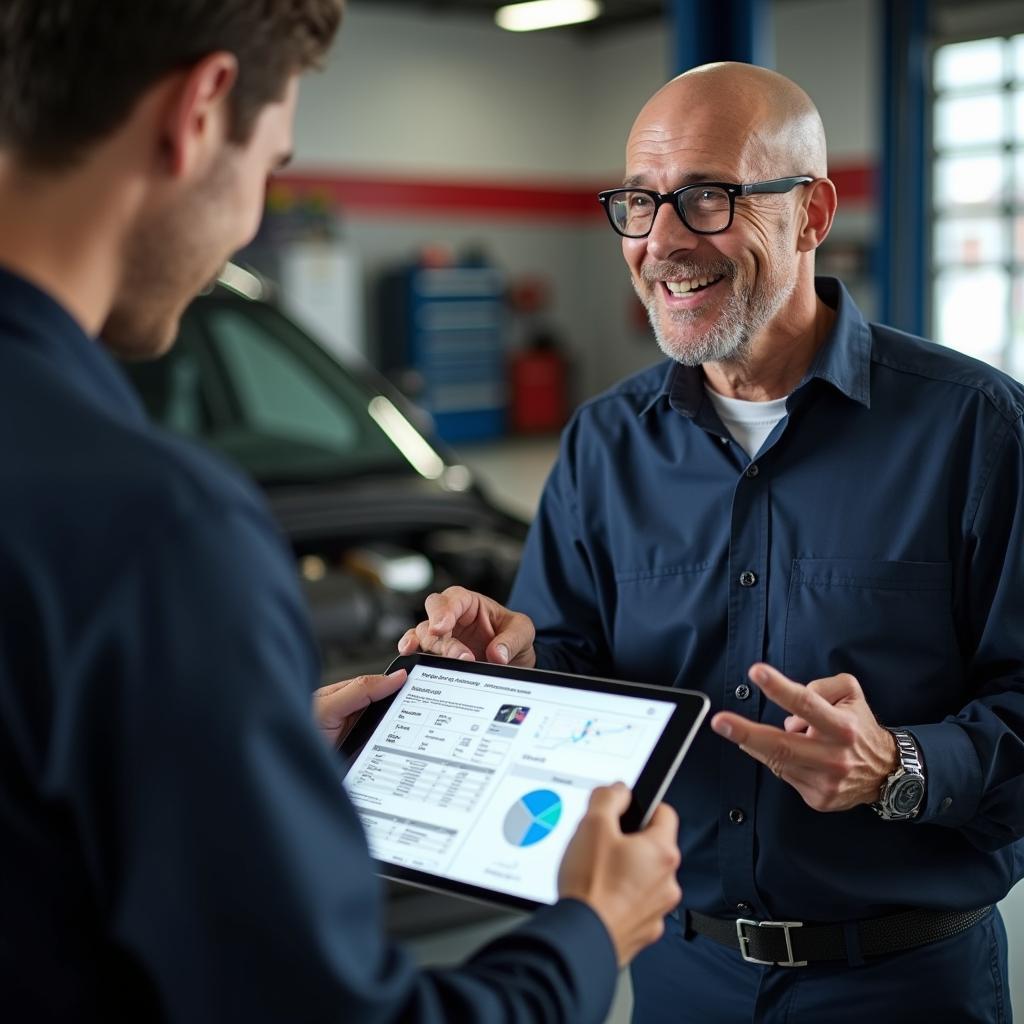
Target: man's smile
689	293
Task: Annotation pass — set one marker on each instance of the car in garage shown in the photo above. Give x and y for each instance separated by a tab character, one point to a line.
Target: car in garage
377	511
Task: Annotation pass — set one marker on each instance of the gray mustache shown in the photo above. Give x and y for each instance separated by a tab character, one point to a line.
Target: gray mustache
655	272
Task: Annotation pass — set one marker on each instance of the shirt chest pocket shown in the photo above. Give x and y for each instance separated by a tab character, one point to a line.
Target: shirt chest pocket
890	624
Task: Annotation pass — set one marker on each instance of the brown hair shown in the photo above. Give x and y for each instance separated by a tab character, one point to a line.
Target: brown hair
71	70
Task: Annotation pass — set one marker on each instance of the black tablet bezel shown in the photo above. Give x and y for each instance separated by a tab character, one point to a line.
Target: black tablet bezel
657	773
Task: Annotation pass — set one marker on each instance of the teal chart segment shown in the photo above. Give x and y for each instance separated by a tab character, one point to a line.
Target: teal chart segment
532	817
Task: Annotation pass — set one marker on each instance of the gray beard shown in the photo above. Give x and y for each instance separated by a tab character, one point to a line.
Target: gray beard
729	338
726	340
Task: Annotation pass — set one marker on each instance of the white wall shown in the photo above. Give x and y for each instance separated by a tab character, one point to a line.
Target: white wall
831	48
622	70
429	95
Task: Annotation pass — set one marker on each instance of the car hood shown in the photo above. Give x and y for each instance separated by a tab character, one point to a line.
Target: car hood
383	504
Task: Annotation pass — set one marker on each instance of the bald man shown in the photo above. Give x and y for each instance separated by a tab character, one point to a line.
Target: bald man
819	522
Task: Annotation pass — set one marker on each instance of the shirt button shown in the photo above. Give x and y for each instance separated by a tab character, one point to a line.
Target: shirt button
946	804
744	907
742	691
747	579
736	816
751	470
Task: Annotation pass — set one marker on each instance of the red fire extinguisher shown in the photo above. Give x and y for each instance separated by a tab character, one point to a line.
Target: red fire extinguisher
539	378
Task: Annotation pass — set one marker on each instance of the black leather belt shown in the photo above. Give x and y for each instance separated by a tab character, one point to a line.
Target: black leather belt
795	943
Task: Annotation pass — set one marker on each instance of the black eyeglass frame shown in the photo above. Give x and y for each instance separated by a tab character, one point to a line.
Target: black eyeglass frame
774	185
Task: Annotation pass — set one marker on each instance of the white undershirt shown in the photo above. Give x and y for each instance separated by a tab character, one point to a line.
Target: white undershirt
750	423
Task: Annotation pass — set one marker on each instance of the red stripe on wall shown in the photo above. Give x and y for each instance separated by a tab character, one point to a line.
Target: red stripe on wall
385	196
396	196
855	183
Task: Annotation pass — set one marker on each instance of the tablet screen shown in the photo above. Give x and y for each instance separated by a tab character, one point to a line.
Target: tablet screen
482	779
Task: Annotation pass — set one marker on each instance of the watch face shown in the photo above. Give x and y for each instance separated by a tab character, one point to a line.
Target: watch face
907	794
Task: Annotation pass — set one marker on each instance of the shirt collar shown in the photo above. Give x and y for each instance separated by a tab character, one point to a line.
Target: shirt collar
30	317
844	359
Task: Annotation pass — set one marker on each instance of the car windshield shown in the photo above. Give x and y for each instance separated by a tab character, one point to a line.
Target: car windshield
247	381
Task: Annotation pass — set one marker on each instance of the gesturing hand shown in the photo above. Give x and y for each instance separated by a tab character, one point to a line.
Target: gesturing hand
832	751
463	624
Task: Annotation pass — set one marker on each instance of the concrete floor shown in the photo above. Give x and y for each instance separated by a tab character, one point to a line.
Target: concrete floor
513	470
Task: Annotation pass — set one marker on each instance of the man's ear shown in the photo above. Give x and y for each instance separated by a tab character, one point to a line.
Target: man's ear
818	213
195	118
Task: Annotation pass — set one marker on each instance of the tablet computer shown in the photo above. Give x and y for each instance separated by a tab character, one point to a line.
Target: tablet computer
472	778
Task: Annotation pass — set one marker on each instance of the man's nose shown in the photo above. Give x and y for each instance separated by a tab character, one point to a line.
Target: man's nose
669	234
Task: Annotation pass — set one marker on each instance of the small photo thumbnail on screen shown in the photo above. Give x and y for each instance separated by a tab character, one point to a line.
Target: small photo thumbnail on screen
514	714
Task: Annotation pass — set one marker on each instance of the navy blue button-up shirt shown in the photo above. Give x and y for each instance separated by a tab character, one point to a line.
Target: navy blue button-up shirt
882	535
175	843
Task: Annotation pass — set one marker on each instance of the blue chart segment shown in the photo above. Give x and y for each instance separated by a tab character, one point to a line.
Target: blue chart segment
532	817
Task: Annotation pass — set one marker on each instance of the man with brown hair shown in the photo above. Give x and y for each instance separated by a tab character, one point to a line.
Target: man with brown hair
175	844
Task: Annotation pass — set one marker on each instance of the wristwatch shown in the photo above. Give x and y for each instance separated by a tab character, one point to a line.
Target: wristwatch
902	793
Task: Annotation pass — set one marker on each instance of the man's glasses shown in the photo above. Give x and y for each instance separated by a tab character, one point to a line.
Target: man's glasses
706	207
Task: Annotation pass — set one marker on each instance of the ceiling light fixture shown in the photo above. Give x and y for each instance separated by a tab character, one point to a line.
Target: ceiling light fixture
536	14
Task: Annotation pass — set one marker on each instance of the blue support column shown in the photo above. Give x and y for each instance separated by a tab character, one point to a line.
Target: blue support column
904	180
710	30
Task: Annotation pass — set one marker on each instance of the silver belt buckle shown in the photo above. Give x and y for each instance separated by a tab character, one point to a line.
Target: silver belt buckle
784	925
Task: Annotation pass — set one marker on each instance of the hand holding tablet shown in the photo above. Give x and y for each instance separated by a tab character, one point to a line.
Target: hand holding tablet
473	777
629	879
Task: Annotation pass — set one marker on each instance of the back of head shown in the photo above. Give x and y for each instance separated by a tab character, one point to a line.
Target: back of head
72	70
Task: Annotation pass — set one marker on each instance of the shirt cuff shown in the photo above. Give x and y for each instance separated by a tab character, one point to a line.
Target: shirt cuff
952	774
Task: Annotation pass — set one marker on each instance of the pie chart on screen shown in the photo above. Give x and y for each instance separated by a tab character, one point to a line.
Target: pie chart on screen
532	817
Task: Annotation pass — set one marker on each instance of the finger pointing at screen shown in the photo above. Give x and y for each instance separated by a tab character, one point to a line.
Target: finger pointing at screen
463	624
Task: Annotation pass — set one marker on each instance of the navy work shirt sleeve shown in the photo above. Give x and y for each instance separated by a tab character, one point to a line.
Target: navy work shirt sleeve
229	864
975	759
